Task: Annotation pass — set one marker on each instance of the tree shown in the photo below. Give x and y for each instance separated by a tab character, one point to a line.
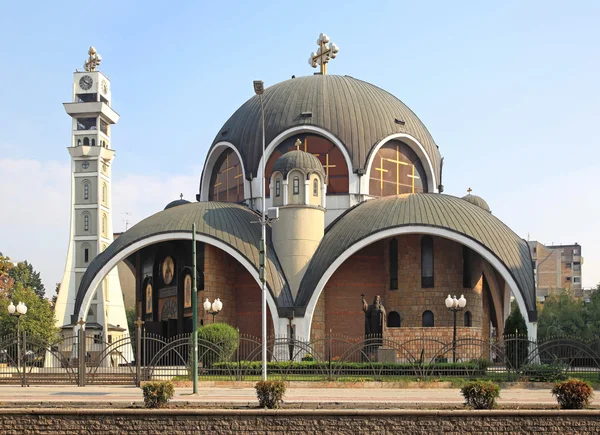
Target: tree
515	337
565	315
38	322
24	273
6	282
55	295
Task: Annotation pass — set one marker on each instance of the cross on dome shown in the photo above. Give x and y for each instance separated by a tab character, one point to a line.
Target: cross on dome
327	51
469	190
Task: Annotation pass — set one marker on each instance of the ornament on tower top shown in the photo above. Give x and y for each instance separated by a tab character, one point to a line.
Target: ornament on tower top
93	61
327	51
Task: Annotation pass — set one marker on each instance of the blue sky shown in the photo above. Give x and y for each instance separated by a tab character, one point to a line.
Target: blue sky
509	91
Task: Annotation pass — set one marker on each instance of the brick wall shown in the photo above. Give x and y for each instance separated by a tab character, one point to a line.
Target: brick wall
227	279
367	271
411	342
218	421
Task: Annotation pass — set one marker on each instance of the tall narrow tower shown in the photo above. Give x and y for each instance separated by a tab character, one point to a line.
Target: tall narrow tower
91	223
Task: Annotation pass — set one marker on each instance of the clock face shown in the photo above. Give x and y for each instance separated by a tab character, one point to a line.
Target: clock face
86	83
85	165
168	270
104	87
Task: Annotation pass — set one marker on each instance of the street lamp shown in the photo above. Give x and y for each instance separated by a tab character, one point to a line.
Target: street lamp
214	308
259	89
455	305
19	310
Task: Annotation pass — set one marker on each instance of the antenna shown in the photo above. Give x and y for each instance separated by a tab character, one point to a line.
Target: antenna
126	219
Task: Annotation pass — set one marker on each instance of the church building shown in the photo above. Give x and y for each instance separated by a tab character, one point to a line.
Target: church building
353	183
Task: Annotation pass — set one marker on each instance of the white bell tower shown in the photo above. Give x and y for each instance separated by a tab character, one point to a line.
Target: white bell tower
91	201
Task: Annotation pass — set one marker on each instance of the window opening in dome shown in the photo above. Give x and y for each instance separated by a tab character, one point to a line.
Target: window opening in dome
315	187
227	181
394	320
428	320
468	319
426	262
396	170
330	156
296	185
277	188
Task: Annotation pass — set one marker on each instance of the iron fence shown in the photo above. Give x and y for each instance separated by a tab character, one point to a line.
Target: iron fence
83	359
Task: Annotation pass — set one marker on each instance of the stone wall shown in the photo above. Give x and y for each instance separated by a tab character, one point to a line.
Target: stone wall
219	421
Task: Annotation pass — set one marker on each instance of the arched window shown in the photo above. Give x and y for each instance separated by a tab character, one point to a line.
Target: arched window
277	187
104	192
316	187
394	320
104	224
86	190
466	252
428	321
86	255
468	319
296	185
78	142
93	142
393	264
426	262
86	222
227	180
86	140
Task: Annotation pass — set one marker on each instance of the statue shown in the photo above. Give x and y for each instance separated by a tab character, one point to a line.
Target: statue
374	316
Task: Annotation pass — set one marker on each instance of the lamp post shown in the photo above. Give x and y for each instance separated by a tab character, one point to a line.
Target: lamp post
259	89
455	305
19	310
214	308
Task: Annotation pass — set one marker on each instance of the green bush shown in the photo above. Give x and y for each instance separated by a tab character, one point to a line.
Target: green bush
554	372
573	394
270	393
157	394
217	342
480	394
308	357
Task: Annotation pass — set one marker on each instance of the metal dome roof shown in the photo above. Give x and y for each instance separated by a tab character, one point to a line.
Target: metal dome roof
298	159
176	203
358	113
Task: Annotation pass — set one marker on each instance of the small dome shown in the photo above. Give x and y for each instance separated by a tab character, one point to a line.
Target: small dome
177	202
297	159
478	201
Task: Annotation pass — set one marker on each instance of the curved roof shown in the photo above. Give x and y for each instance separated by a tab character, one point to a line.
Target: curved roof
478	201
176	203
297	159
229	223
429	209
358	113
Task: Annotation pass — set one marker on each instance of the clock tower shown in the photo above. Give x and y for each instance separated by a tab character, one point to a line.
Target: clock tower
91	202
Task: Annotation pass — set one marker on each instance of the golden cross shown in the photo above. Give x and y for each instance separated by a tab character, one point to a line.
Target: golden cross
81	321
93	60
469	190
139	322
327	51
381	171
413	176
326	166
239	175
297	145
398	162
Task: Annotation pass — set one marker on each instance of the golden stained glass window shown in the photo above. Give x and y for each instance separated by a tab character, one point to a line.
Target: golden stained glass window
396	169
227	180
330	156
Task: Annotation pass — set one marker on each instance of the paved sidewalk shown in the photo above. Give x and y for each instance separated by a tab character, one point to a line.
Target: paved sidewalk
232	396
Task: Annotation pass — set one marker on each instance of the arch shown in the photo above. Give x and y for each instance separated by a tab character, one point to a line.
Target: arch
316	187
209	165
277	187
86	221
417	147
104	193
126	252
468	319
86	189
427	264
428	319
421	229
352	178
93	142
394	320
104	224
296	186
86	141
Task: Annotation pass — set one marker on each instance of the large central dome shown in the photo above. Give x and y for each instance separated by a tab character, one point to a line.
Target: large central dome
358	113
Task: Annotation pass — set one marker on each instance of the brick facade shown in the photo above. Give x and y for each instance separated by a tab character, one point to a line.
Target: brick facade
339	308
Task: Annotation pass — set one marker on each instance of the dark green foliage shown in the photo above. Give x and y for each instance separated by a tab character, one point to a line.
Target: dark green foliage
157	394
515	336
480	394
554	372
573	394
217	342
308	357
270	393
565	315
24	273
